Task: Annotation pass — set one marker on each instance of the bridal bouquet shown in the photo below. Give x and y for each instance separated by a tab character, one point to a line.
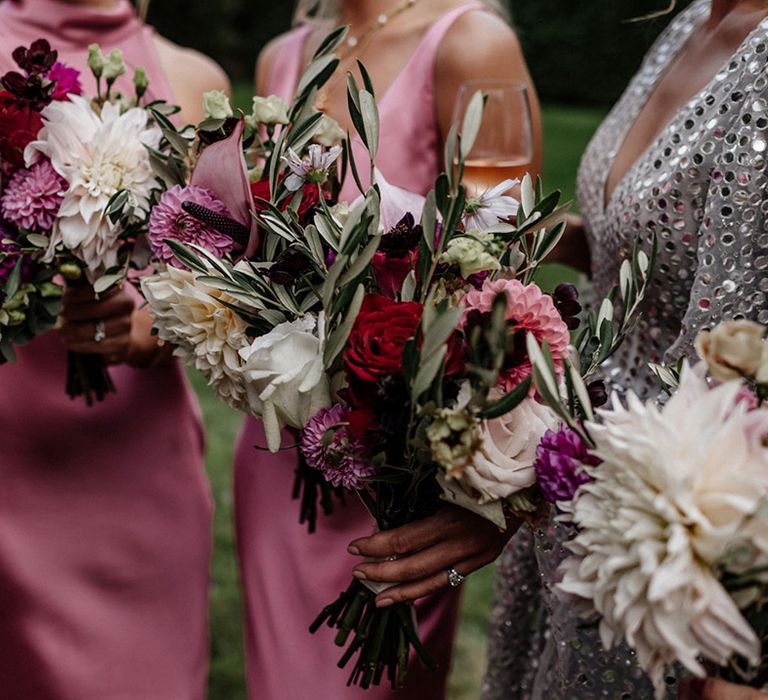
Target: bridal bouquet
76	190
389	336
670	509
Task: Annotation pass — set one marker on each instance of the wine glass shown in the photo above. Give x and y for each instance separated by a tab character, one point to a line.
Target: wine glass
504	145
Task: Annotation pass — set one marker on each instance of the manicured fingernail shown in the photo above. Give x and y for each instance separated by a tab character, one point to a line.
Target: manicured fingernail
353	550
384	603
359	575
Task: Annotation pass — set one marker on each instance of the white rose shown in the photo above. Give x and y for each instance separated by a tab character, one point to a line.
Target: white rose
270	110
286	379
732	349
504	463
473	253
216	105
328	132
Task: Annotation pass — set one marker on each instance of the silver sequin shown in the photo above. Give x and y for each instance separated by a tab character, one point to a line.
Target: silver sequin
701	188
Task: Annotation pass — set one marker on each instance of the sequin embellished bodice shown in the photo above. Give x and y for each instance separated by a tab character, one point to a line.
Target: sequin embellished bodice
700	187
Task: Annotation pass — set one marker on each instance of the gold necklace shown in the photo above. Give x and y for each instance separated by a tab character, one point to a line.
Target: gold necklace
360	42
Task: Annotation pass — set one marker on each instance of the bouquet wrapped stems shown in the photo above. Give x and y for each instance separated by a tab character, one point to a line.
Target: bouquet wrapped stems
87	374
381	638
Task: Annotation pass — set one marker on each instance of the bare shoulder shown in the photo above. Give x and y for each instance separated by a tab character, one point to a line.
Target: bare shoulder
191	65
479	44
266	60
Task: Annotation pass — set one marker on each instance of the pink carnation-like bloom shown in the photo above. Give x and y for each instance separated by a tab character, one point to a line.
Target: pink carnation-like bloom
33	197
340	459
169	220
529	310
67	81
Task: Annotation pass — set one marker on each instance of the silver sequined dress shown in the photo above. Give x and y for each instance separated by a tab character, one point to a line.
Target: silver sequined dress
701	187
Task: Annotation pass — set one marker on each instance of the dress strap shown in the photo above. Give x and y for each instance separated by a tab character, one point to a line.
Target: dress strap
434	36
288	62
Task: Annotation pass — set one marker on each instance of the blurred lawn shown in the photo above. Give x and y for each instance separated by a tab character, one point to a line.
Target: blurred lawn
566	133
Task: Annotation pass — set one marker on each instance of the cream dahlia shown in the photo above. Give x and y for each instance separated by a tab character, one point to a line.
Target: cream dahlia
207	334
529	310
678	490
98	155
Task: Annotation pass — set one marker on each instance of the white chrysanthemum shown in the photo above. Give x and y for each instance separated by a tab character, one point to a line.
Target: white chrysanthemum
678	489
206	333
98	155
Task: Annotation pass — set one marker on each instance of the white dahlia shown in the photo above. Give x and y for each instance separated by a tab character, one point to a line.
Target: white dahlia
678	491
98	155
206	334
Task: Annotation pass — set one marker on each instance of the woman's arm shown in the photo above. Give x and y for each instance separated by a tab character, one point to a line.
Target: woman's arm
482	46
714	689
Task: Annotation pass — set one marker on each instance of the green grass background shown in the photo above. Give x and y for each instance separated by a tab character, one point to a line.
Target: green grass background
566	133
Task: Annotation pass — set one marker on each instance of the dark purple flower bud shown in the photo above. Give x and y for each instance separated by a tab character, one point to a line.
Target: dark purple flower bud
566	298
219	222
598	394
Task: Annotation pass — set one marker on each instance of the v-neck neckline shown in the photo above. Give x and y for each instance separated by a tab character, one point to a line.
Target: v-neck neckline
607	200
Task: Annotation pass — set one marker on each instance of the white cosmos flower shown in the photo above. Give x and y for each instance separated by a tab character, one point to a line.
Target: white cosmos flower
98	155
206	334
286	379
490	207
312	168
677	490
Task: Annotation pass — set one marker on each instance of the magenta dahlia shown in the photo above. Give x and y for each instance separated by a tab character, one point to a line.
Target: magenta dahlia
560	458
33	197
67	81
327	447
169	221
529	310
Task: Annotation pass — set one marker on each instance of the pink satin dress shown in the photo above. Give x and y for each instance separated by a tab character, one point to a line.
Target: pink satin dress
289	575
105	512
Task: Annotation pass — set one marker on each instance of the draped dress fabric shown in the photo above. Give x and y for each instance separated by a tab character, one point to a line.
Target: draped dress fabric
289	575
700	187
105	512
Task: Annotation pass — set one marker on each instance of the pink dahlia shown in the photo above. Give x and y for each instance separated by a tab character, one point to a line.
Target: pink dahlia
529	310
33	197
67	81
327	447
169	220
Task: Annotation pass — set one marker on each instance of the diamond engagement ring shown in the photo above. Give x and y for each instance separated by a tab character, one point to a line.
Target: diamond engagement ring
100	332
455	578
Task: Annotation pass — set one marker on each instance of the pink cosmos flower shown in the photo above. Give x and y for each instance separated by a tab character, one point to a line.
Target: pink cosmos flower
33	197
313	168
67	81
169	221
529	310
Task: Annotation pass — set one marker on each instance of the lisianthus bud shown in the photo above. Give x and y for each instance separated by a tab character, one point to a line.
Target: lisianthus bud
140	81
70	271
95	60
473	253
270	110
216	105
328	132
114	65
732	349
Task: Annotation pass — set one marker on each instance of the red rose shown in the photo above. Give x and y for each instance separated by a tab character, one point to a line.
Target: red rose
310	199
376	343
391	272
18	126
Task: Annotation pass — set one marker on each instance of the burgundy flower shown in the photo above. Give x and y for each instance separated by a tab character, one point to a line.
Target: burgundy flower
19	124
560	457
328	447
37	59
566	298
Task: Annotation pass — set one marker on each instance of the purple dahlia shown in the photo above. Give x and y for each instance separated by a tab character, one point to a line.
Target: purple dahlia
560	457
327	447
169	221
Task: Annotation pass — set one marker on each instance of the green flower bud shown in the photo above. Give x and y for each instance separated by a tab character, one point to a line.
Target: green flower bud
70	271
95	60
140	81
114	66
216	105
